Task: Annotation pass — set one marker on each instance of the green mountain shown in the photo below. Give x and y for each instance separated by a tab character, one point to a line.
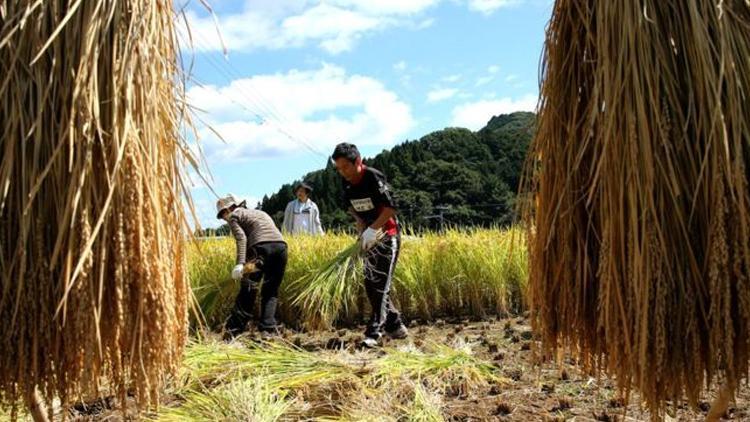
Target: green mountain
469	177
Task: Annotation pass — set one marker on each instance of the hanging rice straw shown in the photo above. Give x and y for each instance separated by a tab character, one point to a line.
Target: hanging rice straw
639	227
93	290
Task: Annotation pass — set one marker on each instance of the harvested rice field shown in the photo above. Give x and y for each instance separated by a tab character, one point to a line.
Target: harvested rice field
453	370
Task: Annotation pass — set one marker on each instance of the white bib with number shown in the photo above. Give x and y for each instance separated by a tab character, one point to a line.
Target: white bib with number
362	205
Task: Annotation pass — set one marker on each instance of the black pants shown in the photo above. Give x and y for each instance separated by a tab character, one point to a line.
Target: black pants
274	257
380	264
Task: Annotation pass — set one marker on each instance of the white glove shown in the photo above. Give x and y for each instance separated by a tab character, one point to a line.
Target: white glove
237	272
368	238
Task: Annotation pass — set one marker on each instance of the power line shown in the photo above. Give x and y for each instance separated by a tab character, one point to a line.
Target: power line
261	118
226	70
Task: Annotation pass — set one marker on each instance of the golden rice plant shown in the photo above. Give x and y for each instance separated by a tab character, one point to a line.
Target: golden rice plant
93	286
209	265
460	273
407	401
639	218
220	379
426	406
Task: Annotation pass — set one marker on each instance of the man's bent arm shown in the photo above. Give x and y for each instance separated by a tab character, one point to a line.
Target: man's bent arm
383	218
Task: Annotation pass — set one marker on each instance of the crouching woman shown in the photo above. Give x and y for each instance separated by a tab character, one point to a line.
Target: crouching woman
258	240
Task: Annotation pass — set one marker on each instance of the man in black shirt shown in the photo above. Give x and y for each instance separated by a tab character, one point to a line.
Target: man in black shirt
368	199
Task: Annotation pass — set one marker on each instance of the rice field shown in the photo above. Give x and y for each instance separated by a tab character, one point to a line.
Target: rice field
475	273
471	354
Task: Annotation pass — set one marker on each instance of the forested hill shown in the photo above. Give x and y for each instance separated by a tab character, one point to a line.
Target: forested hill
469	177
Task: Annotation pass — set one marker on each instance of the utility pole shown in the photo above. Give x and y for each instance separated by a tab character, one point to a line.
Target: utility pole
440	216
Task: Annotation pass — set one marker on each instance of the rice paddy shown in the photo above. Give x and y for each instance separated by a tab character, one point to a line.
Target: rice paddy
470	355
475	273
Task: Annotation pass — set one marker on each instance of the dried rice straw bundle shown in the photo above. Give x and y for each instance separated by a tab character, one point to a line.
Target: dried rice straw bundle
639	224
93	289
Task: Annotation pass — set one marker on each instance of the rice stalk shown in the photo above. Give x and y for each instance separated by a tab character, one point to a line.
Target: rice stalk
209	268
403	401
425	407
400	384
249	399
93	286
329	291
638	204
283	366
439	366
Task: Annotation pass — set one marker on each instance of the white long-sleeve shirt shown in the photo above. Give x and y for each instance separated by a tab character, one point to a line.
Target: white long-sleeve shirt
302	218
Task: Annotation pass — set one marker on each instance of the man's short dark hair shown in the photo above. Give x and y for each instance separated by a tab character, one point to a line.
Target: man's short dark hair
345	150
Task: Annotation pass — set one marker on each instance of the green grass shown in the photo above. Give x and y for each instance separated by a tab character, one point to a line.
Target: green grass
459	273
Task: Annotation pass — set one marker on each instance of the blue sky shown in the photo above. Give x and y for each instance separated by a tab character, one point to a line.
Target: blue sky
287	80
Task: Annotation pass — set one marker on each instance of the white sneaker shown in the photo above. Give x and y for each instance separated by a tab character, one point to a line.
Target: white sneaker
370	342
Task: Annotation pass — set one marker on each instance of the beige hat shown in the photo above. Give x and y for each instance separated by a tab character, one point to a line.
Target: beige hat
224	203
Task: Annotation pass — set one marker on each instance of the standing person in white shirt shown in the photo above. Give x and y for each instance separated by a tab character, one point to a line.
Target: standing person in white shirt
301	215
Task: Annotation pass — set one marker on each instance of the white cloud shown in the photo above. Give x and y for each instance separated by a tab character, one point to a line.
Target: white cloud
334	25
476	115
484	80
511	78
426	23
386	7
452	78
488	7
441	94
299	110
400	66
493	69
336	28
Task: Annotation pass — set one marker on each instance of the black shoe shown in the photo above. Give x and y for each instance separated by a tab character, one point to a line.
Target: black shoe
234	327
399	332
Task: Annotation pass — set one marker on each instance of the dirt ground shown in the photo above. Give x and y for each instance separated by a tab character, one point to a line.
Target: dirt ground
551	391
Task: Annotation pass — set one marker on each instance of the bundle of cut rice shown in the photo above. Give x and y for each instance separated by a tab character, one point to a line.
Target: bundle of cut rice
639	225
93	289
